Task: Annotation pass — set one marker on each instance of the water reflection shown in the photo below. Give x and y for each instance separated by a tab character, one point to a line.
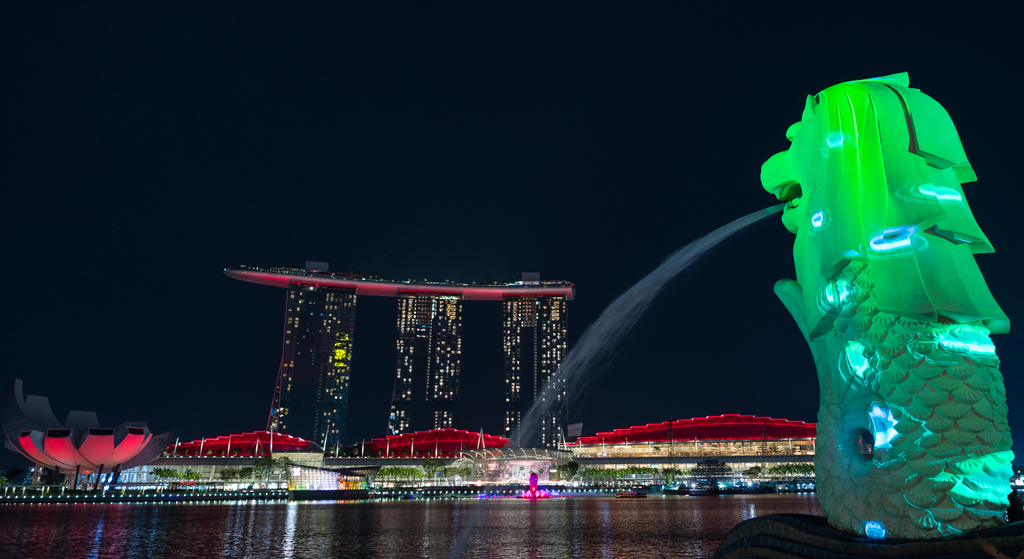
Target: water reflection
95	551
579	527
606	530
749	512
289	530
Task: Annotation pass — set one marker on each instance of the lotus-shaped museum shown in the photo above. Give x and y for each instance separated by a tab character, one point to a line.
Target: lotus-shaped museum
79	444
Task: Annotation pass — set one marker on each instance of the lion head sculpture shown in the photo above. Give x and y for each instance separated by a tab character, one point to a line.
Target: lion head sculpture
874	173
896	313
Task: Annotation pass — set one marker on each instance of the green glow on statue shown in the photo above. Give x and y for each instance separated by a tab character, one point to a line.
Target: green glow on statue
940	193
855	359
896	312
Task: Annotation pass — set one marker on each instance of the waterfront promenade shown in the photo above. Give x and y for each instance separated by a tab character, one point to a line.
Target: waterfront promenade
594	525
53	494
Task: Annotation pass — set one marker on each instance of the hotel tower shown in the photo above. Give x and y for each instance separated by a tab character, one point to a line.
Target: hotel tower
311	396
535	339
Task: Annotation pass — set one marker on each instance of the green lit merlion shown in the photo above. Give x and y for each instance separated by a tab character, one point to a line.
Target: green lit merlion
895	311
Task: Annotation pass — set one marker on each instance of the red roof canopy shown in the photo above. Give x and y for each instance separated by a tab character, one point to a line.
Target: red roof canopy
257	443
441	441
712	428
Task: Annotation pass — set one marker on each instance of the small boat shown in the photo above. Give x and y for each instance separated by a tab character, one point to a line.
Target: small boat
635	492
676	489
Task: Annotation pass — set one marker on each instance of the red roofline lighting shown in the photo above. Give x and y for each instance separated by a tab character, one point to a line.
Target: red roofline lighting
394	289
440	442
254	444
711	428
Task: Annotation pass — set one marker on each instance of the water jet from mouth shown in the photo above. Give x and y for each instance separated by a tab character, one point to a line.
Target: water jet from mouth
590	356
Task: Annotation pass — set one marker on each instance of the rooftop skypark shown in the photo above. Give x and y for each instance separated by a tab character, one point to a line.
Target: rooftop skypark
374	285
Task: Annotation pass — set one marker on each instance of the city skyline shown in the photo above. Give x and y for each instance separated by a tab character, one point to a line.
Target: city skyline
148	147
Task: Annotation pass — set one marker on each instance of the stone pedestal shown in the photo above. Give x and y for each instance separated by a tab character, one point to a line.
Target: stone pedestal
801	536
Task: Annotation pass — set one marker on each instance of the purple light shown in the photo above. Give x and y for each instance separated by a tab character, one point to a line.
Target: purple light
534	492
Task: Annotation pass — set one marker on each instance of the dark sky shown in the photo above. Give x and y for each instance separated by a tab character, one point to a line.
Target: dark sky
147	146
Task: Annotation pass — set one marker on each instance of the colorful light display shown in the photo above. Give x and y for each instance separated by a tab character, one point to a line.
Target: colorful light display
79	444
256	443
711	428
376	288
872	182
440	442
534	492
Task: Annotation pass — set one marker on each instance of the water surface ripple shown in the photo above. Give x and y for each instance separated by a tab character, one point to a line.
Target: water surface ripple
505	528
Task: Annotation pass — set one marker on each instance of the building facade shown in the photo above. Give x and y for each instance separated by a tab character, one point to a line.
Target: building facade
428	354
311	396
742	441
535	342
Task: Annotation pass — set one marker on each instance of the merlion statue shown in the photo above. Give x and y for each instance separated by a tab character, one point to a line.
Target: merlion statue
896	313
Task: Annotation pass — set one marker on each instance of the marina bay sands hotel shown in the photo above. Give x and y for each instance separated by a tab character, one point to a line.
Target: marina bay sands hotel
311	396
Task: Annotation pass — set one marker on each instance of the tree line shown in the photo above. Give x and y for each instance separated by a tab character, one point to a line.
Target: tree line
671	473
261	470
623	472
430	467
792	470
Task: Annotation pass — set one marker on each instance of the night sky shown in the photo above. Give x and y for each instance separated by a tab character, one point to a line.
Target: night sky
147	146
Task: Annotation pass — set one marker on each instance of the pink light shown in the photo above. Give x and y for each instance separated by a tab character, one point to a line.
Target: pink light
447	441
534	492
60	449
36	453
132	444
98	447
717	427
394	289
241	442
